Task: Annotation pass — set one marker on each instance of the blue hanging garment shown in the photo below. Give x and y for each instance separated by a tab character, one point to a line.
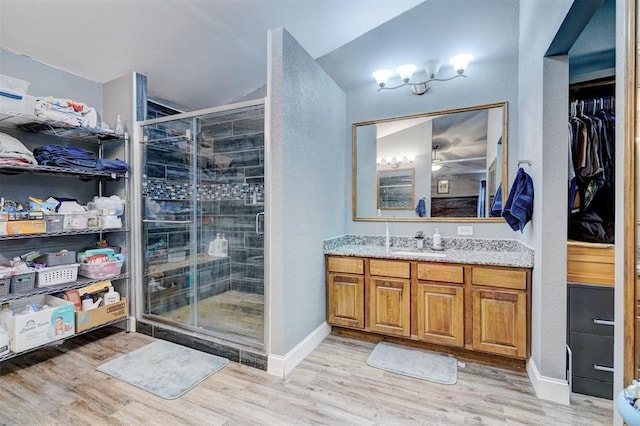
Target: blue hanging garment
519	206
421	208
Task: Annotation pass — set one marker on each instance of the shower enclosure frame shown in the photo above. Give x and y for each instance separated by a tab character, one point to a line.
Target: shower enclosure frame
136	203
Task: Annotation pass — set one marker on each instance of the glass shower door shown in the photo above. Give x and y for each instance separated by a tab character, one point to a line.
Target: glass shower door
204	180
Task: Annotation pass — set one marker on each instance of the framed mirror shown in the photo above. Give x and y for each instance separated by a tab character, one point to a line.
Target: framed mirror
437	166
395	189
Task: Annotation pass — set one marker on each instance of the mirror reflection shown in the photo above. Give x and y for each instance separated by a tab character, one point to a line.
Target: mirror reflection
395	189
433	166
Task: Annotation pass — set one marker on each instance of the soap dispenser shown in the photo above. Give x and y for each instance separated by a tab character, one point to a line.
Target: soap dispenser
436	242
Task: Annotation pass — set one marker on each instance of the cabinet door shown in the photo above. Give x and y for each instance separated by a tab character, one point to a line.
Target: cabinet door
390	305
345	300
441	314
500	322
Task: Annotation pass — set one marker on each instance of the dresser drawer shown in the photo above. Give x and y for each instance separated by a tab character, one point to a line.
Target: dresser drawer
498	277
592	387
389	268
348	265
591	309
592	355
440	272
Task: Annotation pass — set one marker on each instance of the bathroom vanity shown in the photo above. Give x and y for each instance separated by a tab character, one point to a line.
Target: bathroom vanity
474	297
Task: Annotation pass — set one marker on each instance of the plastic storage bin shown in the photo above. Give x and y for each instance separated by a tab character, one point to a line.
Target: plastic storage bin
54	222
57	275
13	84
13	102
5	285
23	283
57	259
101	270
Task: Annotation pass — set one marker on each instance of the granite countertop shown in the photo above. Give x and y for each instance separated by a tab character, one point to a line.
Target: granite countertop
475	251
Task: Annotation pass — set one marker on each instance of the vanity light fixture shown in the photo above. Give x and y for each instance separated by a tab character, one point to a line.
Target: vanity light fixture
432	68
394	162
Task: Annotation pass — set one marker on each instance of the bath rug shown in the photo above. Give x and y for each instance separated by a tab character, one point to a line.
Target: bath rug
163	368
425	365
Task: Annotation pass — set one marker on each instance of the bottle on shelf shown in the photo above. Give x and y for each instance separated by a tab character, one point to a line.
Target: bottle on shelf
119	127
111	296
214	246
224	247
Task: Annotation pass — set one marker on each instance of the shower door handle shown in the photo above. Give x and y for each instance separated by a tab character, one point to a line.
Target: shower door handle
183	222
259	229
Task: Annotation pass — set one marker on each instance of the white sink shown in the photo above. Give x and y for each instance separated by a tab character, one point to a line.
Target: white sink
420	253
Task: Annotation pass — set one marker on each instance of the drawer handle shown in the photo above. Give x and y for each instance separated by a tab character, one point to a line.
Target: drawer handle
603	322
602	368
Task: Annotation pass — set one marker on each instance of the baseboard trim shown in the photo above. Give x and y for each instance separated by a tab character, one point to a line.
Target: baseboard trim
278	365
548	388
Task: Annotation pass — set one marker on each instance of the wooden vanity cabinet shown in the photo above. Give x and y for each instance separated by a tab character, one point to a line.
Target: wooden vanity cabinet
345	291
390	297
500	305
472	307
440	303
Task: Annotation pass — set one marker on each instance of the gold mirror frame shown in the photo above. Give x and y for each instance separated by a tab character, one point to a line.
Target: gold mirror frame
504	172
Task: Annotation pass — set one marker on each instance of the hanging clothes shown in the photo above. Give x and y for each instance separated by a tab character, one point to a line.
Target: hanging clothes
592	170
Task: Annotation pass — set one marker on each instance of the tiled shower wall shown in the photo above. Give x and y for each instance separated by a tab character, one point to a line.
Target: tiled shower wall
230	193
234	145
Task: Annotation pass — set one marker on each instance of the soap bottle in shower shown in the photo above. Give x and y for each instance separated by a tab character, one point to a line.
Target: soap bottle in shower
223	247
214	246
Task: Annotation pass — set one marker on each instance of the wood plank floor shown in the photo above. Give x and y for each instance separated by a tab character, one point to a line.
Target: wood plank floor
332	386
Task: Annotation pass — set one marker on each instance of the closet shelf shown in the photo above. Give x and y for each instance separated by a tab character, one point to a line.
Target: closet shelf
79	283
60	171
34	124
56	343
63	234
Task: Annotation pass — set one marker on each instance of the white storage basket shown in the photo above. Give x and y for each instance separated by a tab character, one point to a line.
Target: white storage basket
57	275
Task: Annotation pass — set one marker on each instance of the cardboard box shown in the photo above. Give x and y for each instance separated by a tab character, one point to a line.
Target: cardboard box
30	330
21	227
102	315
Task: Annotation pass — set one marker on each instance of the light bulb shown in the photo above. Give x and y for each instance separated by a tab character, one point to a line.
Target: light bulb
432	67
460	62
406	71
382	76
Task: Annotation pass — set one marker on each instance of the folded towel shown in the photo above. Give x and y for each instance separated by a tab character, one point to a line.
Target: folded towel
519	206
421	208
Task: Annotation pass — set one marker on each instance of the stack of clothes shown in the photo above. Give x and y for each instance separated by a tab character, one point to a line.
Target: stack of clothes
76	158
13	152
67	111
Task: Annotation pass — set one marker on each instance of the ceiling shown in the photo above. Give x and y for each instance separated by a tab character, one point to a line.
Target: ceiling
195	53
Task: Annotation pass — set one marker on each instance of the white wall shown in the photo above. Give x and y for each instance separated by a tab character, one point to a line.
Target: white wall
492	77
305	174
542	109
49	81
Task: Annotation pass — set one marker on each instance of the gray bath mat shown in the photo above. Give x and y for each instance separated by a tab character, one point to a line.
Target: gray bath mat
164	368
416	363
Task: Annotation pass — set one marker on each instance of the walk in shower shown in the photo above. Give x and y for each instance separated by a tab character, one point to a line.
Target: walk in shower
203	177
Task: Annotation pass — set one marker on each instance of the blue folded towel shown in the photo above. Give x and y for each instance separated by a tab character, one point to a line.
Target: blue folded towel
519	206
421	208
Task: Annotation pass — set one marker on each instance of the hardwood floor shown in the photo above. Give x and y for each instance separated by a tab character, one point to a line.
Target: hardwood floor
332	386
